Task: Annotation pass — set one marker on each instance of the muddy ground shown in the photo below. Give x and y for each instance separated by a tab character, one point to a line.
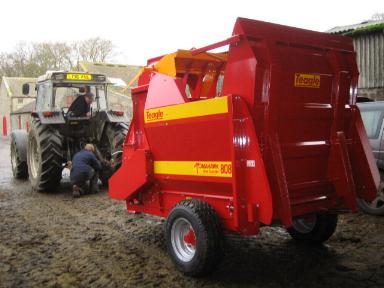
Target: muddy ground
52	240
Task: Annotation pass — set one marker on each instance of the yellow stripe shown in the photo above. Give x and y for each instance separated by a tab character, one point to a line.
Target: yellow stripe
194	168
188	110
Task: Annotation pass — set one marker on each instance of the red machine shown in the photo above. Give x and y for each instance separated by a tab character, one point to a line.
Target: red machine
267	132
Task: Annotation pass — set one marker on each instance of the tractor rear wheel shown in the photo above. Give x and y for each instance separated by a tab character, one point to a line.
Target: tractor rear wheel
111	146
313	228
19	140
194	237
44	157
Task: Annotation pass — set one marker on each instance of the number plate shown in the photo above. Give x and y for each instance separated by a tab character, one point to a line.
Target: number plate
86	77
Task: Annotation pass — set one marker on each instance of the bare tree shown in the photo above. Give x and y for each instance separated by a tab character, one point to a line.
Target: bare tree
21	58
6	65
53	56
95	49
32	60
378	16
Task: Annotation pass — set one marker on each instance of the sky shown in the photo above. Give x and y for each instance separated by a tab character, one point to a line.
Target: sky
145	29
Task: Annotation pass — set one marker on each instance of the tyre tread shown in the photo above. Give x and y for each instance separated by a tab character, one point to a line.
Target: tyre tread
51	142
325	226
208	221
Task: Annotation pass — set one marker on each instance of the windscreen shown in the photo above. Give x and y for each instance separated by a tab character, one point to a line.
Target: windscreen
65	95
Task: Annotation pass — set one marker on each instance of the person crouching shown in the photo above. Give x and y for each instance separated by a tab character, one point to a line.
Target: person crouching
85	167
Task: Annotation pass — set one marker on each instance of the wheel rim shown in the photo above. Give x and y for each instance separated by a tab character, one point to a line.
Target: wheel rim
34	158
183	239
377	203
305	224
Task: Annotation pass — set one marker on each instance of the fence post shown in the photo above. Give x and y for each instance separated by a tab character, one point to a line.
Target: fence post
5	130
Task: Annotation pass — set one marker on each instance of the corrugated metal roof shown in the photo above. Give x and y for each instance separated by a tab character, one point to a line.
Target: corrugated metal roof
348	28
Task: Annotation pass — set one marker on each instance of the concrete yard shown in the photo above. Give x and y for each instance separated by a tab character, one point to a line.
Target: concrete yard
53	240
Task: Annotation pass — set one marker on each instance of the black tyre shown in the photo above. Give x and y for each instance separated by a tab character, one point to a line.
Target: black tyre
376	207
45	157
194	237
313	228
19	139
111	147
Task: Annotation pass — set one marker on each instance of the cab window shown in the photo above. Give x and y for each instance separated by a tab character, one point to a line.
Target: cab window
44	99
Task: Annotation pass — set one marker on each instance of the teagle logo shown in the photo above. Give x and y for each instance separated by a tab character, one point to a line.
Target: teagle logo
153	116
307	80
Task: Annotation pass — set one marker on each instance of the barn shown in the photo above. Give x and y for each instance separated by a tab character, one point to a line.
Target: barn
368	39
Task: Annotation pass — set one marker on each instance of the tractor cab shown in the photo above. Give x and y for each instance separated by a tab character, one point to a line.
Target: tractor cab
57	91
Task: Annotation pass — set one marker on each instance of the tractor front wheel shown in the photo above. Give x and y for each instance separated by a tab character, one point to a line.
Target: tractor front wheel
313	228
194	237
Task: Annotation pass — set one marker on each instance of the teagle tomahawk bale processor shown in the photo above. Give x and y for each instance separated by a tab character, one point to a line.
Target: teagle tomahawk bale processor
267	132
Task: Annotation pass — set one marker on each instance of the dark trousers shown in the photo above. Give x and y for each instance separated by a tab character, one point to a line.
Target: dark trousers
80	179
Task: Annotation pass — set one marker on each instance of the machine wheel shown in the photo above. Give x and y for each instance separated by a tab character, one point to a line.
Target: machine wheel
111	145
44	157
194	237
376	207
19	139
313	228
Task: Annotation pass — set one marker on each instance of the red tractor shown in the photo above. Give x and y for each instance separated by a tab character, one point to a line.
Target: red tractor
265	133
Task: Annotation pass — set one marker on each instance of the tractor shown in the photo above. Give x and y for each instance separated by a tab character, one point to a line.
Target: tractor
56	133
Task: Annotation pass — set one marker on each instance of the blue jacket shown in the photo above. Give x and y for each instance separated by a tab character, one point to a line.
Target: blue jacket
84	161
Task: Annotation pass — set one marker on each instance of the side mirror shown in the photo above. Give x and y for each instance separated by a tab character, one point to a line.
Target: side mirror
25	89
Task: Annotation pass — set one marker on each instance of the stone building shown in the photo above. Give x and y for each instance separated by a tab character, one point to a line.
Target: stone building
15	108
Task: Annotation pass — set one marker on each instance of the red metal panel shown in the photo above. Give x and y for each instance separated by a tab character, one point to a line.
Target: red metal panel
138	166
164	91
366	174
252	177
340	172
